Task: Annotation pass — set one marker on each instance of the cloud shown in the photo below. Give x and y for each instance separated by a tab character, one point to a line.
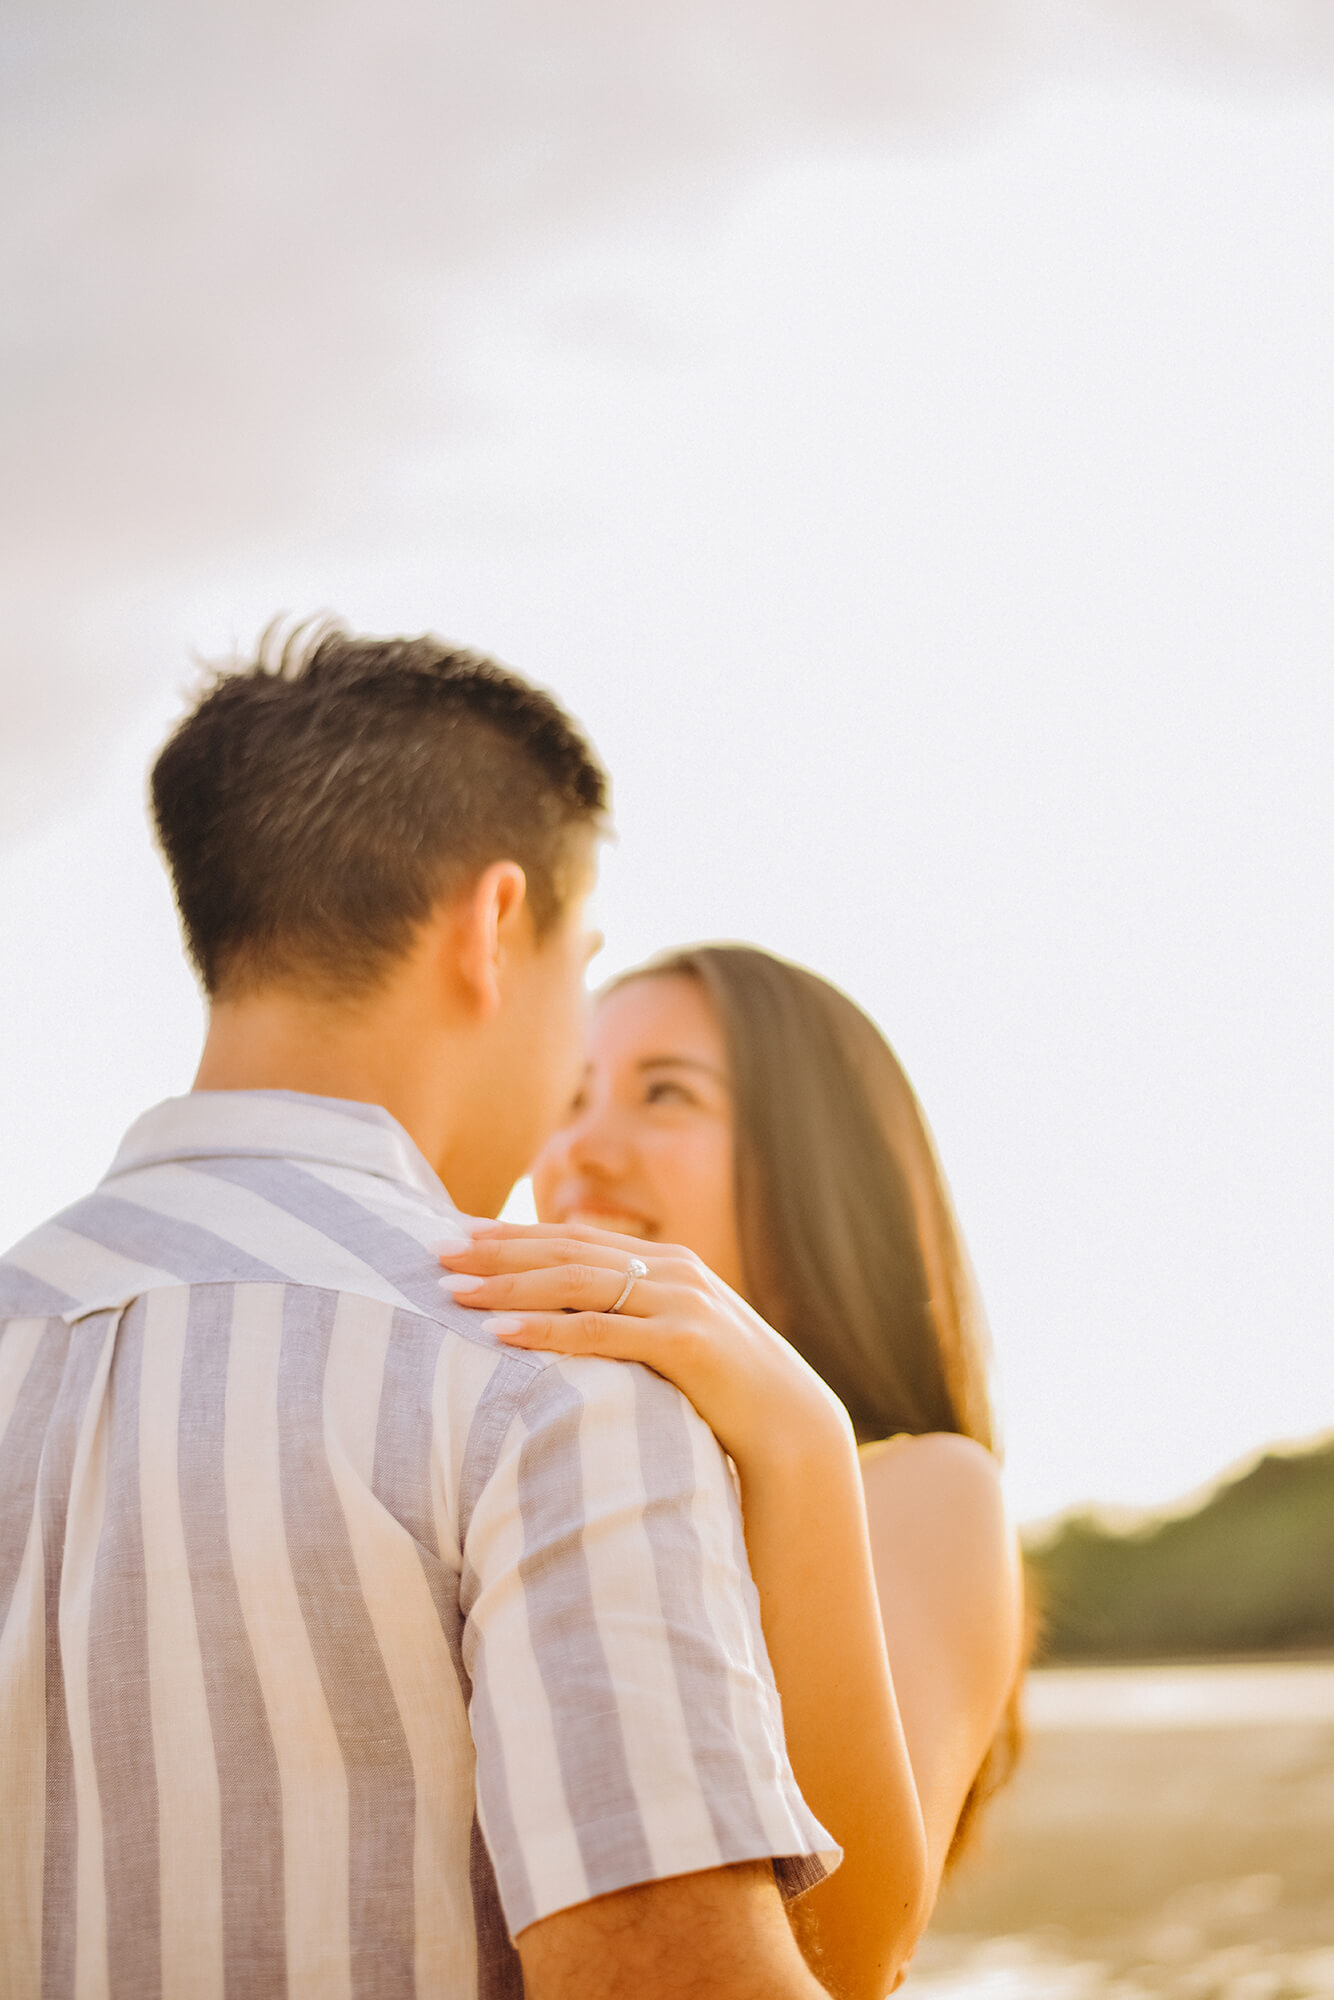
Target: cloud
241	242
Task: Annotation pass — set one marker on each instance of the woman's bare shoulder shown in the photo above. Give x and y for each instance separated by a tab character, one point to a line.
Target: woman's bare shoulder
937	1499
946	1554
937	1465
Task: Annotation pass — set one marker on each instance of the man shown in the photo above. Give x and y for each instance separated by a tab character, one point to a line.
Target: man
339	1647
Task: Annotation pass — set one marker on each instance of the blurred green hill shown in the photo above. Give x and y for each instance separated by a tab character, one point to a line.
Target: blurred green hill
1249	1570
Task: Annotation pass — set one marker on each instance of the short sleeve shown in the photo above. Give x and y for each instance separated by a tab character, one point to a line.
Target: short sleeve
624	1712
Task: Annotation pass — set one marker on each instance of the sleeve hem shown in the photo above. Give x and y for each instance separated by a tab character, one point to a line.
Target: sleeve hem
794	1873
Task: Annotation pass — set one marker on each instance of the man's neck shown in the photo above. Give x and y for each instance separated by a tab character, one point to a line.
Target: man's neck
377	1054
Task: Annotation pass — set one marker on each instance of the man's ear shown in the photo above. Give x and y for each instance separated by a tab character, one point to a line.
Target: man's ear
486	917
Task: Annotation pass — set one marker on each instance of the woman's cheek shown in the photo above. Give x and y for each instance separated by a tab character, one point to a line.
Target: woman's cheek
702	1217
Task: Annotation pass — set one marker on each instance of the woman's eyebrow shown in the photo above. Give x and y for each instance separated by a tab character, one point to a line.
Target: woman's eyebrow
681	1062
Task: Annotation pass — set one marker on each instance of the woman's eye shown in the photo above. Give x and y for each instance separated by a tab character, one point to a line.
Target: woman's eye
666	1092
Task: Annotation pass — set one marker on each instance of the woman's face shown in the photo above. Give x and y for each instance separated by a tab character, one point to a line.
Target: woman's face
647	1147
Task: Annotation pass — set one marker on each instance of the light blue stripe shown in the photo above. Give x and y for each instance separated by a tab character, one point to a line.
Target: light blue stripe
567	1645
381	1786
405	1428
21	1452
502	1977
499	1972
119	1708
24	1297
60	1867
254	1943
195	1255
492	1416
404	1453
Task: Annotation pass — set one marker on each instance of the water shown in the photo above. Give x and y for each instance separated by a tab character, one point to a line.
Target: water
1196	1697
1169	1836
1017	1969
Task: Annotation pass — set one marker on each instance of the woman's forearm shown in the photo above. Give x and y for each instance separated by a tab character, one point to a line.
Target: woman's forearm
806	1534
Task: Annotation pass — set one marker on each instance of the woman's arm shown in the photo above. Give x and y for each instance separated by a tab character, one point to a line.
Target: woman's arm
805	1518
806	1534
950	1586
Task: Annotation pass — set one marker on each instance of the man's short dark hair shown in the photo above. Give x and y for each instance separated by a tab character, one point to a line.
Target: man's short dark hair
318	802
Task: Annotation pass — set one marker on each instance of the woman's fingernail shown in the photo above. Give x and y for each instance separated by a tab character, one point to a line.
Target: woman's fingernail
452	1245
458	1282
504	1326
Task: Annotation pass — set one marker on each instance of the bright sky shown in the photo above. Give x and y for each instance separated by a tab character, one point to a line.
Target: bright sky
934	537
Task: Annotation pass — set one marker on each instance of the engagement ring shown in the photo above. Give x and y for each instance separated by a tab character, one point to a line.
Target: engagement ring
636	1268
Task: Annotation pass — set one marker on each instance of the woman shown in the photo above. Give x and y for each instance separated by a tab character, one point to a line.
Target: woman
745	1130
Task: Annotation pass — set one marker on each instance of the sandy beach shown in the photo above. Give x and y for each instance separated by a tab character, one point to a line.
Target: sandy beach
1170	1833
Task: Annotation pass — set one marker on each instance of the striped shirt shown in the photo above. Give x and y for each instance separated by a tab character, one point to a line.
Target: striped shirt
338	1644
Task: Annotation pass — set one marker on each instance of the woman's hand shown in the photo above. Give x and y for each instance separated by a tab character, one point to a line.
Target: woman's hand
551	1287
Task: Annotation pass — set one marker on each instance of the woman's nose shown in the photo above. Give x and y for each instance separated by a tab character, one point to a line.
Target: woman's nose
597	1142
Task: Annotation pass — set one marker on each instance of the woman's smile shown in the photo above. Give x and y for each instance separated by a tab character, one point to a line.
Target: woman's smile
603	1215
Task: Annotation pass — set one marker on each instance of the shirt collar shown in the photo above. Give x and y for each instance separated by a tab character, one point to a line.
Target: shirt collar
282	1124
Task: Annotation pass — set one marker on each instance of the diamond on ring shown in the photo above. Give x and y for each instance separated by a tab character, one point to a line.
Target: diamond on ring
634	1270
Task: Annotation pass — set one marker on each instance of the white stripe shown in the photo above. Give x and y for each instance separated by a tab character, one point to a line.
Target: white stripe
23	1774
311	1774
257	1226
189	1812
17	1348
83	1532
283	1123
631	1625
86	1270
507	1664
416	1657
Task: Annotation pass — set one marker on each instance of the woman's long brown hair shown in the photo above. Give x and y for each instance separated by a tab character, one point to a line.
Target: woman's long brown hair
849	1243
